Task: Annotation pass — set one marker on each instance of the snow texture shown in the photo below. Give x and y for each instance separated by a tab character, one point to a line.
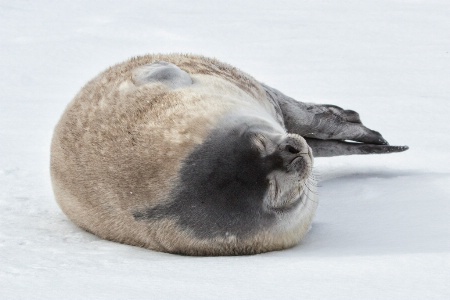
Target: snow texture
382	230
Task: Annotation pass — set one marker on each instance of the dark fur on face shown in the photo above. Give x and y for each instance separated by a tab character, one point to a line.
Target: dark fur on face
224	181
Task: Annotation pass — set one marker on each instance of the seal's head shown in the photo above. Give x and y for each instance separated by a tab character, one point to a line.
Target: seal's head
247	185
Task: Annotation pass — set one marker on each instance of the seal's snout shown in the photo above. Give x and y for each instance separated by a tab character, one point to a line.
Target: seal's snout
294	145
295	152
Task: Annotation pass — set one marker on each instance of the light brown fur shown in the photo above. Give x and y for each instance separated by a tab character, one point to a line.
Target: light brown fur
119	147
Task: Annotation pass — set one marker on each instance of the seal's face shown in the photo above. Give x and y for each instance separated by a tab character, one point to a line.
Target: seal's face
288	182
245	176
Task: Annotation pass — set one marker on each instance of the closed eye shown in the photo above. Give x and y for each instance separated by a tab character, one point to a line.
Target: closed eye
260	142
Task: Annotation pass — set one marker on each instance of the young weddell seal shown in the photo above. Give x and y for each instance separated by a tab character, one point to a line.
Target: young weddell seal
185	154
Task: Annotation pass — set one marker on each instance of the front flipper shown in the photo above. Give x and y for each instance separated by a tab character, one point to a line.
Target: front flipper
326	127
161	72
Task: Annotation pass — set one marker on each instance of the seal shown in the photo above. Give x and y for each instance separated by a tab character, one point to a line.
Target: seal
186	154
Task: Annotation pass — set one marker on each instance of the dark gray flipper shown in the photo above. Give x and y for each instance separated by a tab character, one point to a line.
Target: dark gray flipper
326	127
327	148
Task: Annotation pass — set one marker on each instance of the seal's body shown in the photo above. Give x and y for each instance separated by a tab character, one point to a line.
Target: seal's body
185	154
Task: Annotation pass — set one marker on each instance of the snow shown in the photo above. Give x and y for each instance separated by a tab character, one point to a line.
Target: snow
382	230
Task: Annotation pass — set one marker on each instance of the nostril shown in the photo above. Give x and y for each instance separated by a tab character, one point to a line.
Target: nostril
292	149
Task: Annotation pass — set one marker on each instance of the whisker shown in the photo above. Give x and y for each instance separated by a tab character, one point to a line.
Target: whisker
308	197
312	191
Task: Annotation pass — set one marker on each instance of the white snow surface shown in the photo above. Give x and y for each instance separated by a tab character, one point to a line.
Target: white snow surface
382	230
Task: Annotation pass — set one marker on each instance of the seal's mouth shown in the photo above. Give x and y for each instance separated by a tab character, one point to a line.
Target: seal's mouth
289	206
295	159
300	164
282	200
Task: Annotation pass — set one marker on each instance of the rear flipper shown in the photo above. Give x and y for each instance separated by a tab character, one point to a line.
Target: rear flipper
327	127
327	148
